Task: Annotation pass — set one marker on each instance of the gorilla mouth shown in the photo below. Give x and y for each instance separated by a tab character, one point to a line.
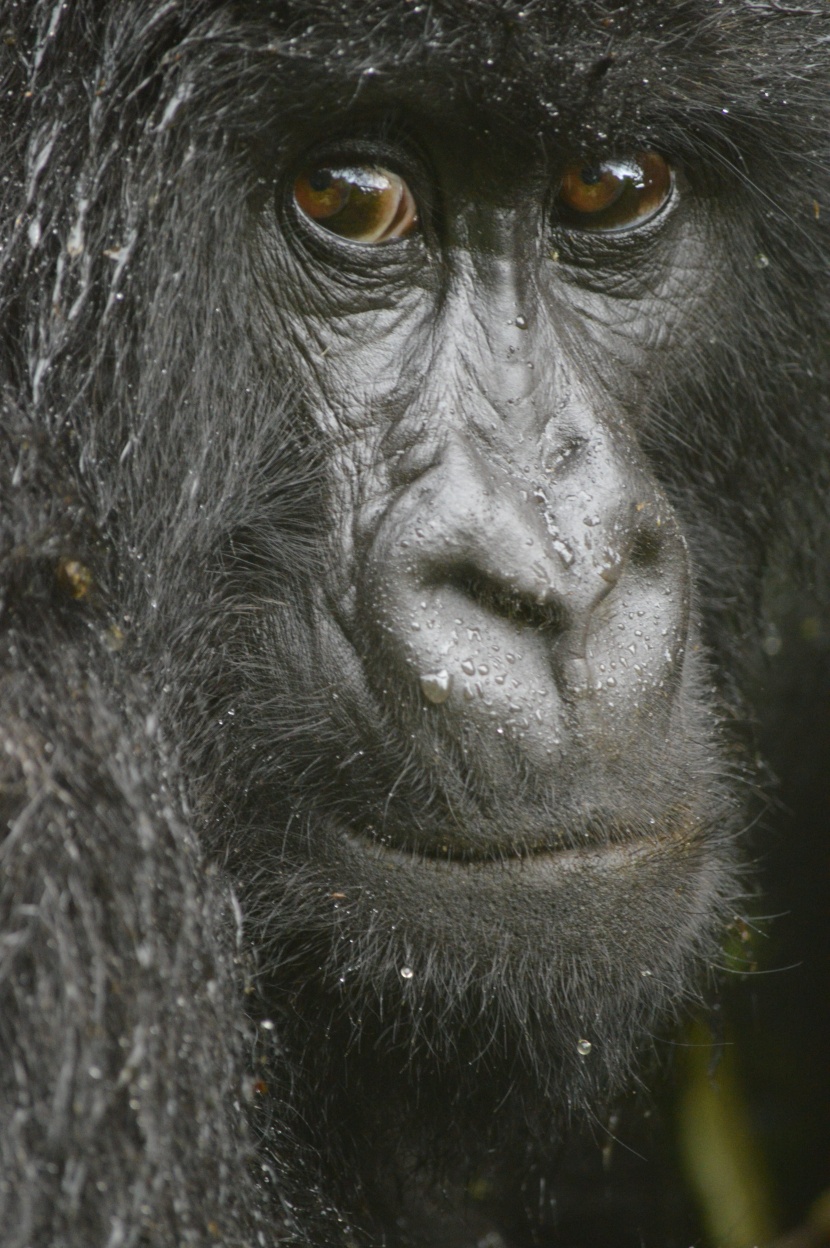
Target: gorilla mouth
587	838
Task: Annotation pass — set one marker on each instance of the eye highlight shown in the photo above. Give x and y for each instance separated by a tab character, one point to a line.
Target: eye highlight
362	203
613	194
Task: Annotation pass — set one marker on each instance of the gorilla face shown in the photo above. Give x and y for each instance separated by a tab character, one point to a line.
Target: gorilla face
509	797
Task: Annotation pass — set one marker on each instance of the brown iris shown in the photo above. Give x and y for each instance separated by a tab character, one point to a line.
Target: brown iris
613	194
363	203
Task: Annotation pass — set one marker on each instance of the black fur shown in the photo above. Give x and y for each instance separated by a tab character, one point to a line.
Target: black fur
155	480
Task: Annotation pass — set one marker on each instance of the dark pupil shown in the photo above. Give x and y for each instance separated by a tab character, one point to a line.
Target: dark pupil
320	180
591	174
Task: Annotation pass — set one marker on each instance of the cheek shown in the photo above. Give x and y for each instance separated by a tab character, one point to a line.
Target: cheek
345	366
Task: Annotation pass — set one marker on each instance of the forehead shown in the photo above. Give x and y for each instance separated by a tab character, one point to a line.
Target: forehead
540	68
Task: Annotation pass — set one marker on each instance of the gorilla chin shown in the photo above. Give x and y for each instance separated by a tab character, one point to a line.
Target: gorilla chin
552	970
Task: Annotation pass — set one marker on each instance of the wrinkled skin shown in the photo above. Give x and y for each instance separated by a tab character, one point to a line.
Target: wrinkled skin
414	580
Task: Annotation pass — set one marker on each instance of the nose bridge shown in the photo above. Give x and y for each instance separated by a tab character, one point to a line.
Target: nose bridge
492	307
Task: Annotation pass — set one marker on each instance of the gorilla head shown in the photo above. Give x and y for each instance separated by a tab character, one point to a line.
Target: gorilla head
421	369
500	796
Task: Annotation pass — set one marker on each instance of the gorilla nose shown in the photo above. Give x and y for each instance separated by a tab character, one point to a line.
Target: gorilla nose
479	538
497	597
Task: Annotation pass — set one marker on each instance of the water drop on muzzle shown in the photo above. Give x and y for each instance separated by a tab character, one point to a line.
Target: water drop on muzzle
435	686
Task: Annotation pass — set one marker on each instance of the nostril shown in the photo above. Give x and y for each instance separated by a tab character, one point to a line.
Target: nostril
498	598
646	547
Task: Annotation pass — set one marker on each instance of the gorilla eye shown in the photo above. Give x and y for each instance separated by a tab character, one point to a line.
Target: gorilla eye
614	194
364	203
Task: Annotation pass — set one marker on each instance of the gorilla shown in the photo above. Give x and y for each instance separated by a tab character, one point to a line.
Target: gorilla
403	403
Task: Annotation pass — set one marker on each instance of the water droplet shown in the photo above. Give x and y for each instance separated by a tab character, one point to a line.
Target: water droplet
468	667
583	1047
407	972
435	686
564	552
521	322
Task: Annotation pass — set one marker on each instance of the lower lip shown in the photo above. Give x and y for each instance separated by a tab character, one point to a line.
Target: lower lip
648	894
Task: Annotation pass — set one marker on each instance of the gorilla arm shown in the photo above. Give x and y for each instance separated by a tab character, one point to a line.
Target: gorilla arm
121	1084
